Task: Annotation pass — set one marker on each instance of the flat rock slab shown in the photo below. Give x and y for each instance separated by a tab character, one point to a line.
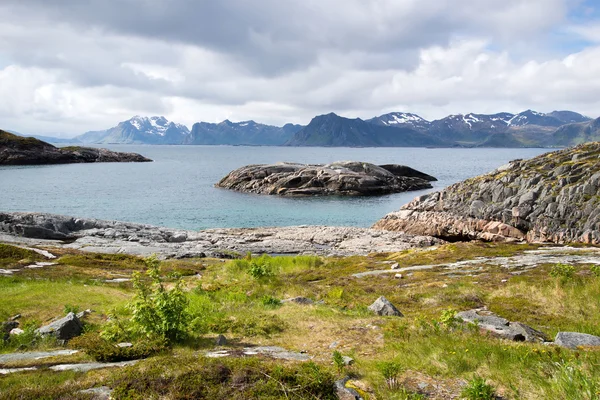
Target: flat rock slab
6	371
34	355
85	367
98	393
573	340
270	351
343	178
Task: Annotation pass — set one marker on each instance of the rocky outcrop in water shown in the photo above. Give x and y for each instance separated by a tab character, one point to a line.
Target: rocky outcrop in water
346	178
17	150
139	239
553	197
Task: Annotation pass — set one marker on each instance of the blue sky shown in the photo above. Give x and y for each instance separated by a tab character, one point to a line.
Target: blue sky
68	67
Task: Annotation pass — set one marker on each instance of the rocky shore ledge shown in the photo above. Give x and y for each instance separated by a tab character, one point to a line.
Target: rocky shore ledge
344	178
554	197
18	150
121	237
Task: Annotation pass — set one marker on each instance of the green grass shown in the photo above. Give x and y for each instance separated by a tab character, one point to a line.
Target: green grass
424	345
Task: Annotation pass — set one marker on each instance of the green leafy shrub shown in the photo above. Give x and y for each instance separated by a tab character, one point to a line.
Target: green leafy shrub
158	311
478	389
270	301
564	272
104	351
260	268
448	318
595	269
390	371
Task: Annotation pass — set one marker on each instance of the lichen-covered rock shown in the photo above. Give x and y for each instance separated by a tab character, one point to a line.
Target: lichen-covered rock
384	307
500	327
63	329
347	178
554	197
573	340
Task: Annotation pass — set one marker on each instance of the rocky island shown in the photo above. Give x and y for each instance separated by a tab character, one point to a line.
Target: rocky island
18	150
345	178
550	198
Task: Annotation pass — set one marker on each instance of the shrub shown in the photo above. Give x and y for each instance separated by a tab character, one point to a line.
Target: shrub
260	268
390	371
449	319
270	301
564	272
595	269
156	310
478	389
338	361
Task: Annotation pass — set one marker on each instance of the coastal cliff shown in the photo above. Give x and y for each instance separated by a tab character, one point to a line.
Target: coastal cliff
550	198
17	150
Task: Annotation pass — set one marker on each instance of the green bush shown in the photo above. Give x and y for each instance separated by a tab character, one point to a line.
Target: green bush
595	269
478	389
564	272
449	319
156	310
260	268
270	301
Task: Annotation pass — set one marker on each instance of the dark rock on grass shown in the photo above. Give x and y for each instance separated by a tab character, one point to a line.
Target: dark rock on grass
382	306
17	150
346	178
572	340
6	327
299	300
63	329
500	327
221	340
550	198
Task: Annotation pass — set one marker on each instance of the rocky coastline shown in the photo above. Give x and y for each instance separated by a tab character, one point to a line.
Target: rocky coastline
344	178
93	235
18	150
550	198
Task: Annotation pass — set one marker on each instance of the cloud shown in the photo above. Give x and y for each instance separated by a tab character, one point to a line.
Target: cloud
71	66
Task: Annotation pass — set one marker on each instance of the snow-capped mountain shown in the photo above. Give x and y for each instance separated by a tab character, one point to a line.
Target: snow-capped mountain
149	130
401	119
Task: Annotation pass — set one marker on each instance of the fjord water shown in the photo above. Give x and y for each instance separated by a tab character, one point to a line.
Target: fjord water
176	190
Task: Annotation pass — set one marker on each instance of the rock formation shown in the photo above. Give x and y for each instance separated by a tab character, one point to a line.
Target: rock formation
553	197
17	150
348	178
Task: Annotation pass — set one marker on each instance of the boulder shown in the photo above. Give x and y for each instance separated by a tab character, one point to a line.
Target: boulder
500	327
346	178
572	340
549	198
63	329
6	327
382	306
299	300
221	340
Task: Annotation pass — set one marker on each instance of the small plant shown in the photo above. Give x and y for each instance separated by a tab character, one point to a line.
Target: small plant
448	319
478	389
156	310
338	361
260	268
104	351
595	269
270	301
564	272
390	371
69	308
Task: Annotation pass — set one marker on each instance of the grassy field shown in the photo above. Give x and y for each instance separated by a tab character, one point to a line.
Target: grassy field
424	354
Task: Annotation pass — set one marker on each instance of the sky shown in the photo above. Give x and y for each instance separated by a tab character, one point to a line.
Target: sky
70	66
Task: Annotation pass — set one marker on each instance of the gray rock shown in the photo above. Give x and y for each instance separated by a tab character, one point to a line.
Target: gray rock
98	393
348	360
349	178
85	367
299	300
16	332
124	344
501	327
221	340
573	340
382	306
63	329
84	313
346	393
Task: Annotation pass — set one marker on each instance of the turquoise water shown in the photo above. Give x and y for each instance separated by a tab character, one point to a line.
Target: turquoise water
177	189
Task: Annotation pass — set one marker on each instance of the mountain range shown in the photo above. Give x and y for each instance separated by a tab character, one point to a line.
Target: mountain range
397	129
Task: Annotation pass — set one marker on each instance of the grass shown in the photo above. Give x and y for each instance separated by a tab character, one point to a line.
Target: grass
424	346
